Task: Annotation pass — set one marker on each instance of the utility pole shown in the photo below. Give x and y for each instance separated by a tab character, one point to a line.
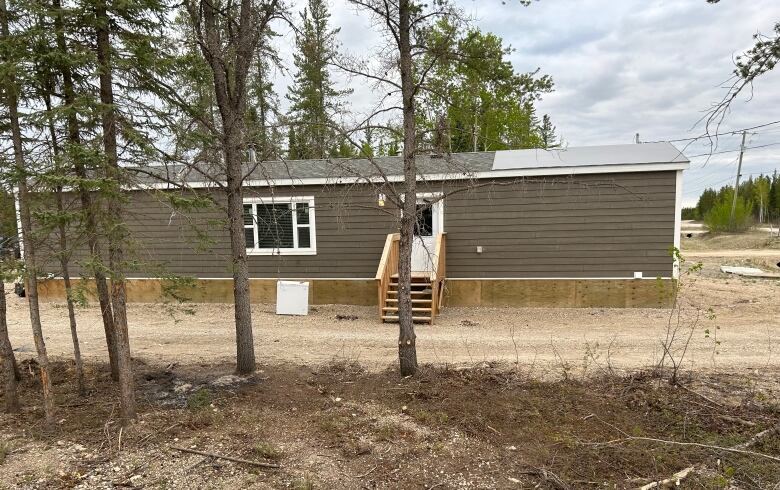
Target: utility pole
736	184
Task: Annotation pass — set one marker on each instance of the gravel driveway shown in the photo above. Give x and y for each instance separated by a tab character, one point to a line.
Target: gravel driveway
747	317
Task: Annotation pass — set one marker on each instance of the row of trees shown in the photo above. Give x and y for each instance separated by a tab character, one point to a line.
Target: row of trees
758	201
96	91
474	100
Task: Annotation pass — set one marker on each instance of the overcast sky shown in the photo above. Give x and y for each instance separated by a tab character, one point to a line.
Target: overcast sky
624	67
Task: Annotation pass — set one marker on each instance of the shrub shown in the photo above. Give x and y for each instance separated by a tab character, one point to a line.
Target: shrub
199	400
718	219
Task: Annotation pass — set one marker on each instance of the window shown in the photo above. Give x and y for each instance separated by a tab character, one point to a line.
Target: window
279	225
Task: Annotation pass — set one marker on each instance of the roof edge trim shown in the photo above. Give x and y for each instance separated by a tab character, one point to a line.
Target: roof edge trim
493	174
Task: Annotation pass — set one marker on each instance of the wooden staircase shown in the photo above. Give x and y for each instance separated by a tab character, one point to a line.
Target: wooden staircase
427	287
422	300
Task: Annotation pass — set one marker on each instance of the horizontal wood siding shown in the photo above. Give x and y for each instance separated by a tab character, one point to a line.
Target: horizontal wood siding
590	226
608	225
350	234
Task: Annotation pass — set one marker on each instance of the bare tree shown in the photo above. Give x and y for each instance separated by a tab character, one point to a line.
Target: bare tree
403	22
757	61
228	35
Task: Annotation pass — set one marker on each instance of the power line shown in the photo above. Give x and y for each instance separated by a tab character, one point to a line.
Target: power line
732	151
727	133
705	186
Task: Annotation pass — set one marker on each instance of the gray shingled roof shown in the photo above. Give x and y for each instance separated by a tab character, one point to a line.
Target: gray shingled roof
466	163
452	164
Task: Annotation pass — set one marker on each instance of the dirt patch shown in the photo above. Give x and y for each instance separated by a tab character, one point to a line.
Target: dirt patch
342	426
746	311
753	240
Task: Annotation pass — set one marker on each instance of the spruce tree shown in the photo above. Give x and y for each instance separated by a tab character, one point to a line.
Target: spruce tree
313	95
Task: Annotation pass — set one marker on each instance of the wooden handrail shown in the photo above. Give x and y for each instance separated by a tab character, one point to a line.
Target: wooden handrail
438	273
388	266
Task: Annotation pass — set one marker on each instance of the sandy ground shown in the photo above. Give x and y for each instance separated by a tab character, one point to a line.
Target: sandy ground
734	253
744	333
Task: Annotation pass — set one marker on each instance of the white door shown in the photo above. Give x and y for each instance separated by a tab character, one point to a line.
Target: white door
430	222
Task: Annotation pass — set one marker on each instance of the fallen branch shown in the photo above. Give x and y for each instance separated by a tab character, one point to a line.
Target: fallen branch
738	449
228	458
735	449
757	438
736	420
671	482
363	475
547	476
703	397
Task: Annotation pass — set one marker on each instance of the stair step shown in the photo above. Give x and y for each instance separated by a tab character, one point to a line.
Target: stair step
423	276
414	301
414	284
395	308
414	293
394	318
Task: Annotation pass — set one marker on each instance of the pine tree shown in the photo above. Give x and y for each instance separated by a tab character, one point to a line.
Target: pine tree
547	133
313	96
475	88
12	53
264	104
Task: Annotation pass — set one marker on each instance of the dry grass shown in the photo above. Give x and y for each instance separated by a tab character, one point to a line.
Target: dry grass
485	427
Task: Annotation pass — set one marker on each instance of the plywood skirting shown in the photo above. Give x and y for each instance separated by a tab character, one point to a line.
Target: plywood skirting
561	293
325	291
551	293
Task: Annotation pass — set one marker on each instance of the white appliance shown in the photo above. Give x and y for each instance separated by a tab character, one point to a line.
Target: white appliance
292	298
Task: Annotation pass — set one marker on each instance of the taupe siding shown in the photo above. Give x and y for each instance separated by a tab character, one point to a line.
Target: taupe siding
607	225
350	234
589	226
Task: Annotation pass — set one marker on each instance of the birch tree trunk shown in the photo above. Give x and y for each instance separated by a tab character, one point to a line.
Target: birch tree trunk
87	205
407	340
12	103
116	232
9	360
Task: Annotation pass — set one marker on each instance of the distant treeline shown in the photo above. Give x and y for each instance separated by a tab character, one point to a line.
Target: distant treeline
758	201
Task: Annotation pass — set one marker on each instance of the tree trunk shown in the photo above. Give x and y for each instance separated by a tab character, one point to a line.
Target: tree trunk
9	360
64	266
245	347
64	255
116	230
26	218
90	220
230	92
407	340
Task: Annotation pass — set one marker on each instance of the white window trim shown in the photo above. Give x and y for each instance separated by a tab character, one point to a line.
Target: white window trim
312	250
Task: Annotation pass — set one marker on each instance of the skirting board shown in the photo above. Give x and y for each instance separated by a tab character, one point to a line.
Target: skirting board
548	293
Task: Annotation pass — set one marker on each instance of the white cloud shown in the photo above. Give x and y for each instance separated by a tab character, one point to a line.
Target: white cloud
620	68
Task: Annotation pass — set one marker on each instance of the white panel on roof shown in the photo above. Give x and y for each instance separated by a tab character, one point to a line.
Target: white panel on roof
589	155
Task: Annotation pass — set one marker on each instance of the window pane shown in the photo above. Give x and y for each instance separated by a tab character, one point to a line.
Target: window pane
248	215
274	222
304	237
249	237
423	226
302	208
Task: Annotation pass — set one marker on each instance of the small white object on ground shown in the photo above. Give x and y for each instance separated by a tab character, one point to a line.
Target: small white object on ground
748	271
292	298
